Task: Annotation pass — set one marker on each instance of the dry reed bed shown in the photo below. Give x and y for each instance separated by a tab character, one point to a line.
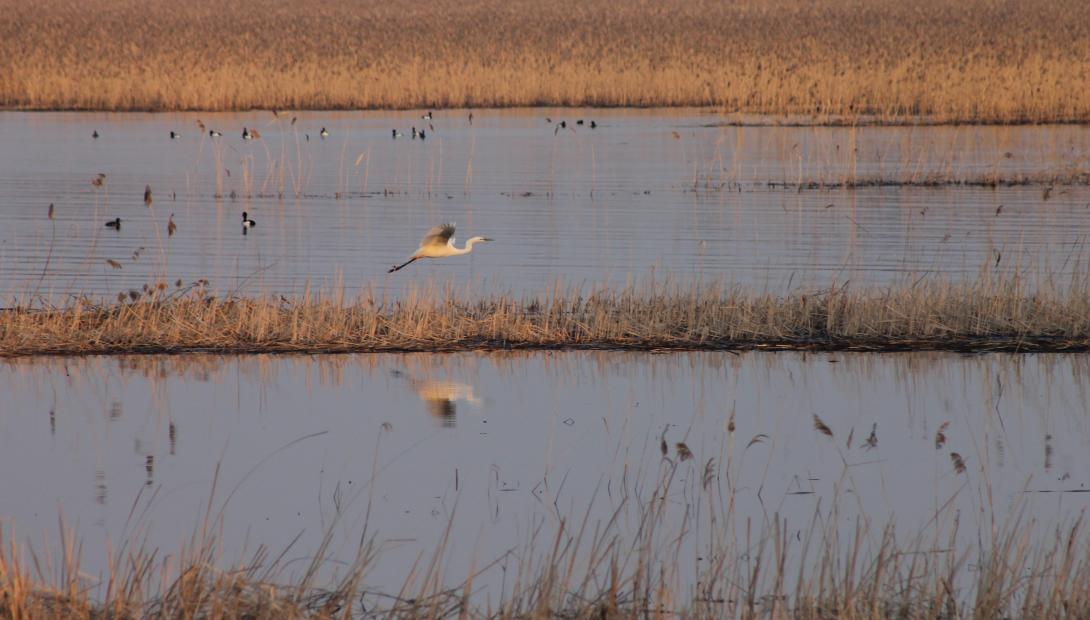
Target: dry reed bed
988	180
833	60
991	313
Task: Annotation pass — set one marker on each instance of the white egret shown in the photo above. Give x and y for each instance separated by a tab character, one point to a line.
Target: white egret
439	243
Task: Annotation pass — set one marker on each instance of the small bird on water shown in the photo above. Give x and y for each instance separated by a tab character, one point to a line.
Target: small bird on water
147	195
94	134
212	133
439	243
247	223
171	226
114	223
174	135
246	134
427	116
323	133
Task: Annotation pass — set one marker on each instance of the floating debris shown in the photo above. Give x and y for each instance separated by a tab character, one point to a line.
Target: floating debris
959	463
683	451
872	441
940	436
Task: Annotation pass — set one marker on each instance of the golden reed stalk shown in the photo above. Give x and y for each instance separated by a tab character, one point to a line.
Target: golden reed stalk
971	61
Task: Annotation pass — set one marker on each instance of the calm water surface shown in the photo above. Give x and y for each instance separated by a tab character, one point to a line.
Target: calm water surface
499	444
662	192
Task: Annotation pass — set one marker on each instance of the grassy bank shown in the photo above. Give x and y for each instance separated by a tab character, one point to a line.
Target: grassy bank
976	61
990	313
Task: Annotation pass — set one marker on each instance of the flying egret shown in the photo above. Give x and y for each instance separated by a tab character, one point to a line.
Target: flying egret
439	243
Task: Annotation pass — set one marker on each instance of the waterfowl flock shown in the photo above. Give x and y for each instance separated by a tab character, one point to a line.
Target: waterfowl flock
438	242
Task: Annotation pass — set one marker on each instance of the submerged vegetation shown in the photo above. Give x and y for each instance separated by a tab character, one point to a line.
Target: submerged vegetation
823	61
992	312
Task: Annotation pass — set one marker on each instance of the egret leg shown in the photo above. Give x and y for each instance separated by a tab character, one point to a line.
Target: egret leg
396	267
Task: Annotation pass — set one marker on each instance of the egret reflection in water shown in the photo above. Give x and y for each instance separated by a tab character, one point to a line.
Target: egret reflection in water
441	397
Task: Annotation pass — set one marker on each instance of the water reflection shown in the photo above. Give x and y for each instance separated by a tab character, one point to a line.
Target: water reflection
440	397
291	432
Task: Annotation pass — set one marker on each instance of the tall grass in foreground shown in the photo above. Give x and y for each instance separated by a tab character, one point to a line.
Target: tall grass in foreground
632	563
992	312
950	61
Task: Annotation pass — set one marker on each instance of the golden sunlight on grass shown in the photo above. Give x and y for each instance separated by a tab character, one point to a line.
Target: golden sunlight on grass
990	313
974	61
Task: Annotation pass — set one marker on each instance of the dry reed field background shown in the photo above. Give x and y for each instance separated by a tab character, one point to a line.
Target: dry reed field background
992	313
827	60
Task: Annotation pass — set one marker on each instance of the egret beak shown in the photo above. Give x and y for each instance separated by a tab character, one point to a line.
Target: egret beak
486	239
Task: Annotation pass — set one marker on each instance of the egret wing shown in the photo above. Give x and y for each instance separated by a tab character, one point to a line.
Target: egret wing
439	235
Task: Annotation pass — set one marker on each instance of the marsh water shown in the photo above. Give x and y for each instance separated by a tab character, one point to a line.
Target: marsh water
674	193
497	447
494	445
